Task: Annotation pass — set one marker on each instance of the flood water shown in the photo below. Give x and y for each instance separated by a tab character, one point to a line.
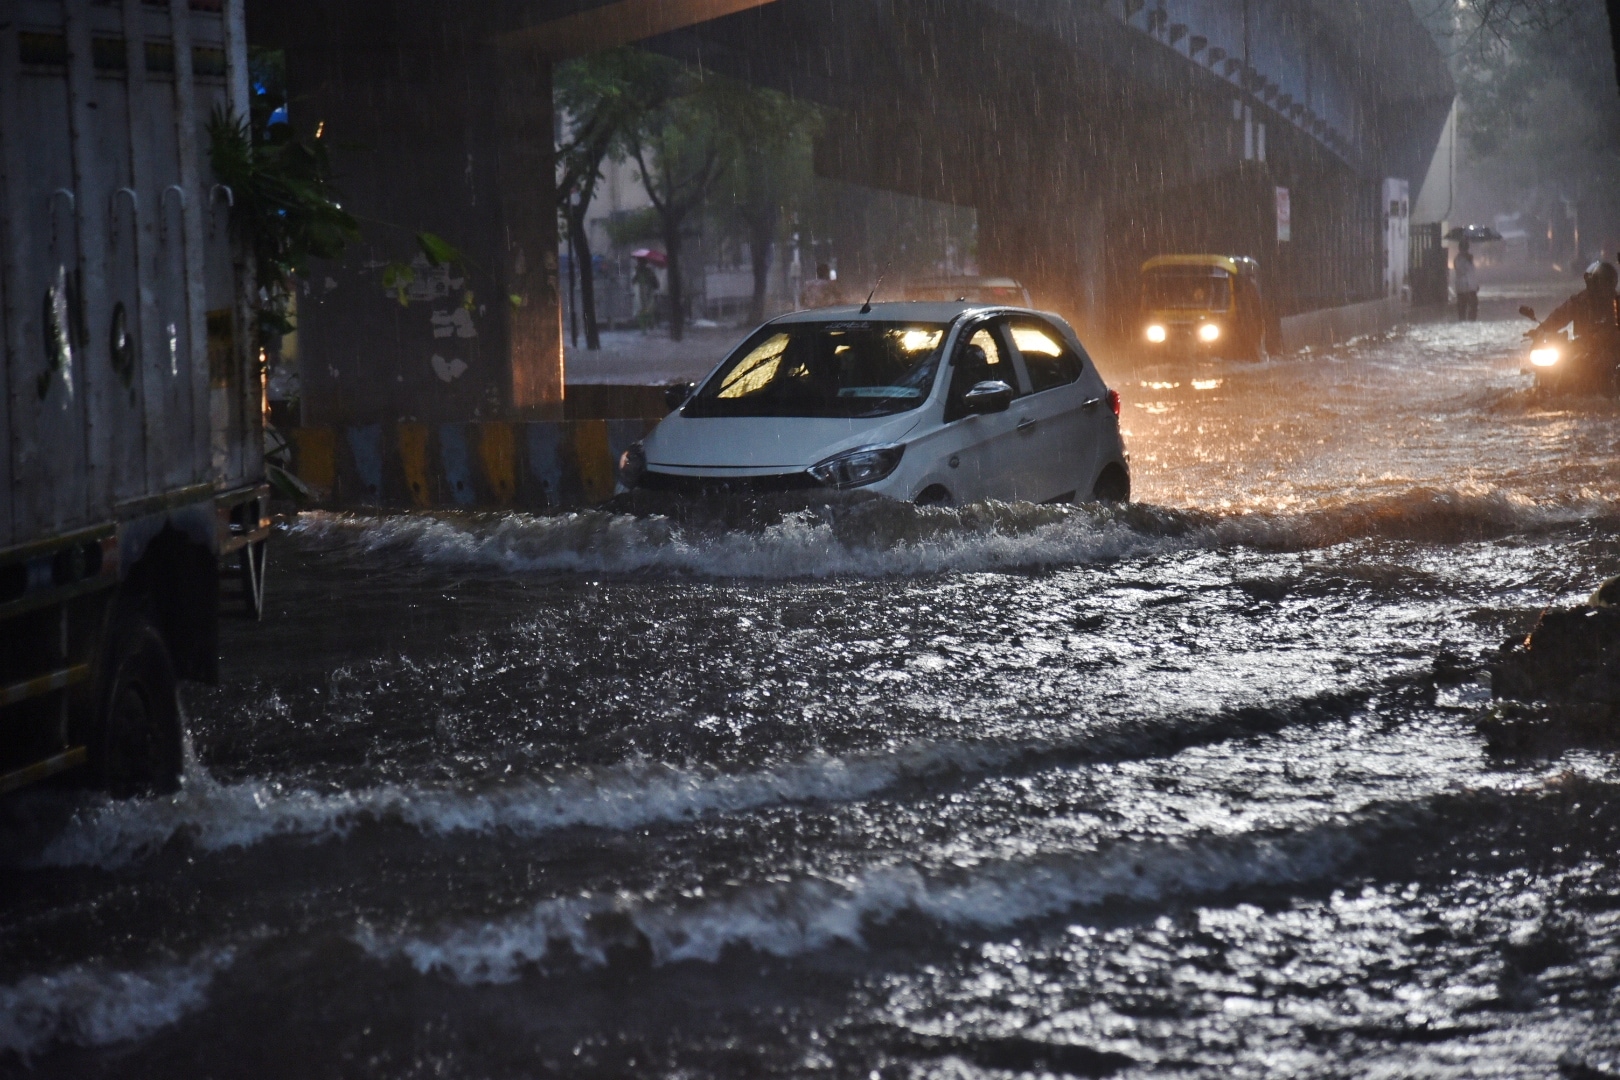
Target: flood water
1189	788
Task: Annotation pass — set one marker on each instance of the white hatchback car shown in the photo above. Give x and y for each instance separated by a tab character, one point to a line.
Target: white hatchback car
926	402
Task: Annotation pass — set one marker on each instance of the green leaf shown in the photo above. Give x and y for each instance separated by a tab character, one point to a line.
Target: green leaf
398	276
284	208
439	251
287	484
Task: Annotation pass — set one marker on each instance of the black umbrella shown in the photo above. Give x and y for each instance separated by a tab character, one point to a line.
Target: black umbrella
1474	234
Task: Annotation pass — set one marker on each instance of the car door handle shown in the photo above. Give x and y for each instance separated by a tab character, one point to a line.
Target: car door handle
1026	424
1092	403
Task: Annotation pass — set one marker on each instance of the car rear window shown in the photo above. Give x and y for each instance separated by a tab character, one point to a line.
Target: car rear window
1047	357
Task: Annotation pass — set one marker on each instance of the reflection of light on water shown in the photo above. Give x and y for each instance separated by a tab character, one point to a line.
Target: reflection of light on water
1206	384
1154	408
1161	385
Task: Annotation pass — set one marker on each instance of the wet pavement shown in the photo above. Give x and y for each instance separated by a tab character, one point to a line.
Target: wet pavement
1188	788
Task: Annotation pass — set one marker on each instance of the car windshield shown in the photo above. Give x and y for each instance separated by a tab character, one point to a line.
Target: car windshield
1187	287
844	368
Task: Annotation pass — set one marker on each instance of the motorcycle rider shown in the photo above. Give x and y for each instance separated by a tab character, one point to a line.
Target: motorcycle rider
1595	313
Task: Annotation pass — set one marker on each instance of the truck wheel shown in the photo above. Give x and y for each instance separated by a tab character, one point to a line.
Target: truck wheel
135	746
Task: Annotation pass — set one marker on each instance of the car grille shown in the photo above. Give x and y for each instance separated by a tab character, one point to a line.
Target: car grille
652	480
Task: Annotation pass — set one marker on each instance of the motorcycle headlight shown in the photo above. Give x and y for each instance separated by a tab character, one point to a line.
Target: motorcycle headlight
1209	332
632	464
866	465
1544	355
1156	334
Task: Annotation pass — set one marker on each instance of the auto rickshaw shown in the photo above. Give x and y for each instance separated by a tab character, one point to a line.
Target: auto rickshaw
1203	305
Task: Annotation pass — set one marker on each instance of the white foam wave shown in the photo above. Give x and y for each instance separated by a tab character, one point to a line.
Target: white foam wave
93	1005
803	543
215	816
879	538
810	914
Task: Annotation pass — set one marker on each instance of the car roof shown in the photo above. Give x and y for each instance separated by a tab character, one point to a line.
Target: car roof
941	311
1232	264
966	280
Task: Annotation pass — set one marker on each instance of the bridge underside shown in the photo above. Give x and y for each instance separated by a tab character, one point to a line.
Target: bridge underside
1086	142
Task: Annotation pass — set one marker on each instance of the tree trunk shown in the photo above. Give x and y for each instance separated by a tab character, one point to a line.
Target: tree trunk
677	300
762	233
581	242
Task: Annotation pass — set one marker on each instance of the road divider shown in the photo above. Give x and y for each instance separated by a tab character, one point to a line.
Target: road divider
529	464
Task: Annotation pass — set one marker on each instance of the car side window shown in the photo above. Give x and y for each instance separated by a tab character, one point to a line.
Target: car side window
1047	356
980	357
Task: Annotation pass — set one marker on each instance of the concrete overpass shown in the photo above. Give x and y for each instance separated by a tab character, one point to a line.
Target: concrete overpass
1088	134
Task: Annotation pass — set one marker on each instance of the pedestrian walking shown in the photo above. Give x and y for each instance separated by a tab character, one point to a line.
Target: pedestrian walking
1464	285
646	284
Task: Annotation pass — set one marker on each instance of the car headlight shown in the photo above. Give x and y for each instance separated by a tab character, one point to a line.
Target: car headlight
632	464
1209	332
1156	334
866	465
1544	355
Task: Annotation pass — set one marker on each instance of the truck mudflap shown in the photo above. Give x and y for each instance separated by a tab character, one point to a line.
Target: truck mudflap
65	600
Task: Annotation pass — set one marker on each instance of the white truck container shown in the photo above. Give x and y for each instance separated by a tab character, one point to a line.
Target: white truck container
132	463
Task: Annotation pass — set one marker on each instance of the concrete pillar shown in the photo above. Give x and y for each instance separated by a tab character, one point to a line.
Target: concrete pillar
432	125
1046	231
528	196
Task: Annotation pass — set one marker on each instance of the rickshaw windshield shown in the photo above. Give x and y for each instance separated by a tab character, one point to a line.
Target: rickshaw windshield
1190	287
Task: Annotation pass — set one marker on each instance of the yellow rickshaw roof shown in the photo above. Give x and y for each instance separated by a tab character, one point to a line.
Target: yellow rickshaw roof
1214	262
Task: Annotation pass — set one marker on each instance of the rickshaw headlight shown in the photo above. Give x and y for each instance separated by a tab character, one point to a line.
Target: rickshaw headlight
1209	332
1156	334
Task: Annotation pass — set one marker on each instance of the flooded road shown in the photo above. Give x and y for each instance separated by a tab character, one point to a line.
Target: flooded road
1191	787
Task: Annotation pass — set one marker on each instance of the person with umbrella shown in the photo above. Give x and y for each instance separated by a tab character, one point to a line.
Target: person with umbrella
646	283
1464	284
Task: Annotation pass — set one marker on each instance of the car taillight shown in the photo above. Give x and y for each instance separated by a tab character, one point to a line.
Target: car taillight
1113	401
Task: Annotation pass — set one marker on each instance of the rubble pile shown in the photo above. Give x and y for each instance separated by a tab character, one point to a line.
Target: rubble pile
1561	683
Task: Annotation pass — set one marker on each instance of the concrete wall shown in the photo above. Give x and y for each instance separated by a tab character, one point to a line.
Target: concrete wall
1334	326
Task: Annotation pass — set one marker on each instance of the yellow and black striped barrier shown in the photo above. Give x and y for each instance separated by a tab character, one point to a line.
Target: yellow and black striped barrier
482	464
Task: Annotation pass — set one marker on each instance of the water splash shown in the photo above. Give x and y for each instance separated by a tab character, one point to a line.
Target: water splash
96	1005
880	538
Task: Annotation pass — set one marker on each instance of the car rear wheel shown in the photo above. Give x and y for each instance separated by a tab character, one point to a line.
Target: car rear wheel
1114	485
135	747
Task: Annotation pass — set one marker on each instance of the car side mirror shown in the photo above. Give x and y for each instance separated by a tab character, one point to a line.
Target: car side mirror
1527	311
990	396
675	396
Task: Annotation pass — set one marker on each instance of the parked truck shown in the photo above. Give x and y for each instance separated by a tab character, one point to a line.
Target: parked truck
132	424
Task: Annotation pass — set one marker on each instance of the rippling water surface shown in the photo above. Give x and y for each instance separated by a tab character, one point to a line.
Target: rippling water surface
1191	787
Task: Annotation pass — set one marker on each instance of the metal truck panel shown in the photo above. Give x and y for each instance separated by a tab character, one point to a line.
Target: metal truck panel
111	229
